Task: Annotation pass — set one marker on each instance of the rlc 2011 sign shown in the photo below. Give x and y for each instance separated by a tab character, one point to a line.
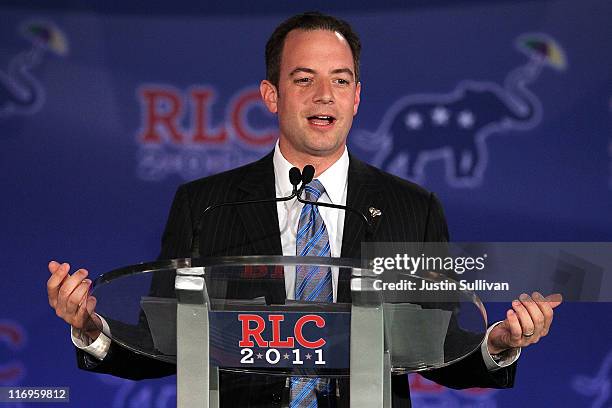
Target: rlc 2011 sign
253	327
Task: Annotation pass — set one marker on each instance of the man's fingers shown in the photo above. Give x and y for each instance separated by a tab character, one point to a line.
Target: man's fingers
77	297
68	294
554	299
53	265
528	315
524	318
516	332
535	314
91	304
69	285
546	310
85	310
55	281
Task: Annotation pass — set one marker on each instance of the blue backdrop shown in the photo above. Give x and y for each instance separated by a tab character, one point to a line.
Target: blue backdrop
504	109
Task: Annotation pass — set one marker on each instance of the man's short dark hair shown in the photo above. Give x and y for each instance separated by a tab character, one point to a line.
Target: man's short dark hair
309	21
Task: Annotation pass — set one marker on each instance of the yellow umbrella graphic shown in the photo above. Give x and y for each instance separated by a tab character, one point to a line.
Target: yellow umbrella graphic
46	35
542	48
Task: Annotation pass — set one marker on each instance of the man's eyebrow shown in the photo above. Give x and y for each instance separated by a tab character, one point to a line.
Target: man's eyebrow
343	71
302	69
312	71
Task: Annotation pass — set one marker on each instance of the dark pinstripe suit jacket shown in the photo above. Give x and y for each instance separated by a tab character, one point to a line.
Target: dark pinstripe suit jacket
409	214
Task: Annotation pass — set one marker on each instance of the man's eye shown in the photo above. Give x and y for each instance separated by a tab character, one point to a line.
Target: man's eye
302	81
341	81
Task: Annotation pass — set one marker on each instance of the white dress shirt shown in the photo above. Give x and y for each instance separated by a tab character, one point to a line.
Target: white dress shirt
335	181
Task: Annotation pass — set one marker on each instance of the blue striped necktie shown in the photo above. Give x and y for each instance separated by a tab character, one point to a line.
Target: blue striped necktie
312	283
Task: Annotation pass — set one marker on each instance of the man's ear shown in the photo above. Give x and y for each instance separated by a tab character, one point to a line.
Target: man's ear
357	98
269	94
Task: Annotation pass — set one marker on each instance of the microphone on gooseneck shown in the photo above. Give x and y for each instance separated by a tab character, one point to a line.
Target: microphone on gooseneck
307	175
295	177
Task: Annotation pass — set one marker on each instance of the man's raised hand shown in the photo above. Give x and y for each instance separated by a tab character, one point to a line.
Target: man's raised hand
526	323
69	297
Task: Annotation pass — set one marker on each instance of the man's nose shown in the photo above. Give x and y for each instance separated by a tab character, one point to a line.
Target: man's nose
323	93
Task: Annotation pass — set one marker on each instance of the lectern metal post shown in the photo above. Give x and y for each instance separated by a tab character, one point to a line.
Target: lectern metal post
370	370
197	382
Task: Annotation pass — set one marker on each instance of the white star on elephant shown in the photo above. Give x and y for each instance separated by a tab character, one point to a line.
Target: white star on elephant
465	119
439	116
413	120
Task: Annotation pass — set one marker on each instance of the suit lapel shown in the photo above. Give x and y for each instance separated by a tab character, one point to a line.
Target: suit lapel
364	192
260	220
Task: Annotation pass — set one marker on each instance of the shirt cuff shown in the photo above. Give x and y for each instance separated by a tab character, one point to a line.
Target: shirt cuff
98	348
501	360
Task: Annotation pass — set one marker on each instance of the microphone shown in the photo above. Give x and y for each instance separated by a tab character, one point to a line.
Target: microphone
308	173
295	177
306	177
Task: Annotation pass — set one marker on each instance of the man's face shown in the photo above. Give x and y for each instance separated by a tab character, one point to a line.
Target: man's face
317	94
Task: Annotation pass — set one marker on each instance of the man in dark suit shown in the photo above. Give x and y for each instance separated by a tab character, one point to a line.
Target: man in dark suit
313	86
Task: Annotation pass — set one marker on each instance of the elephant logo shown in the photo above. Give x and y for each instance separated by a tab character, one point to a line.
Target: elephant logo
424	127
598	386
20	92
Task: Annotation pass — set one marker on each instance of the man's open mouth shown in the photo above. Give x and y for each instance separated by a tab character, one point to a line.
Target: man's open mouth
321	120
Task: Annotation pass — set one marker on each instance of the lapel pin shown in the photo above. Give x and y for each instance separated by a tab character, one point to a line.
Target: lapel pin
375	212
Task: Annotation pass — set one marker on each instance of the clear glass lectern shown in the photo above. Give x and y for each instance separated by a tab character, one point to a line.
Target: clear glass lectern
212	316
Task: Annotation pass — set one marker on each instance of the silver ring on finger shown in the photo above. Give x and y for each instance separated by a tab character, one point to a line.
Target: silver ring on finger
528	334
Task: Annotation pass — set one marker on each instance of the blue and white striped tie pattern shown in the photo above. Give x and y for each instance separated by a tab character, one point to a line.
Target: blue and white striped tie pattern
312	283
